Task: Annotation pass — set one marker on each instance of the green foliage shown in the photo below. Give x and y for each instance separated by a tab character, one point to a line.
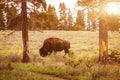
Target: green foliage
19	75
39	3
71	54
52	19
13	19
78	27
92	13
43	20
48	71
73	62
32	71
42	70
55	72
63	16
89	64
80	18
70	19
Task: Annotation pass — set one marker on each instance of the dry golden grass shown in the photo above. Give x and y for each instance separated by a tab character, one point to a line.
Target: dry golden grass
84	45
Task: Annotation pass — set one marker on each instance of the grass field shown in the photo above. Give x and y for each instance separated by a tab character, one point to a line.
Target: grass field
82	65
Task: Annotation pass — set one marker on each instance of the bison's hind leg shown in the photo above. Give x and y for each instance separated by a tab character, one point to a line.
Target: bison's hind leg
49	53
54	52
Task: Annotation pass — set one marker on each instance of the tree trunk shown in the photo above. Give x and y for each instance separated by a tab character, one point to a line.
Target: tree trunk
103	43
25	32
103	36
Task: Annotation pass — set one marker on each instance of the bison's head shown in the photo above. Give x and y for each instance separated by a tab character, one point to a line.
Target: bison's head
43	52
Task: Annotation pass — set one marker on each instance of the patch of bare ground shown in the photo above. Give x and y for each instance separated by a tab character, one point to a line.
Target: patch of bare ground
49	77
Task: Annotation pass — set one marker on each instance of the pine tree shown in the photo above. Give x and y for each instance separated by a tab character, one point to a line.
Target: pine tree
70	19
80	25
26	58
39	4
62	18
2	26
36	21
90	6
25	28
12	17
103	32
52	17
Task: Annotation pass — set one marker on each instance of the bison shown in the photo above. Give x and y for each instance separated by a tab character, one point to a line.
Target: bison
54	44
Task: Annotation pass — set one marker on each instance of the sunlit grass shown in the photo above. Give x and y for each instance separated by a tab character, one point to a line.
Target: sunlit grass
84	65
31	71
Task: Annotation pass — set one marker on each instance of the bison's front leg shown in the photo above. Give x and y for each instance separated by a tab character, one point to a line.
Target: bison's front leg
66	51
50	52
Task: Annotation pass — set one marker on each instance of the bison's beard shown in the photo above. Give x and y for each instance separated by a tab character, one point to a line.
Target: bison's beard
43	53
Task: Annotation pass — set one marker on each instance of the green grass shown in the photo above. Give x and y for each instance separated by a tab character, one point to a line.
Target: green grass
31	71
81	66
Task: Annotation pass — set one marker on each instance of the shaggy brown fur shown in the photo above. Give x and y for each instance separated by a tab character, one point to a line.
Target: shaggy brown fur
54	44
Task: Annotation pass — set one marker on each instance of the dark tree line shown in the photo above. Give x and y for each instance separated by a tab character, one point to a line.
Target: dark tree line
46	18
1	16
43	20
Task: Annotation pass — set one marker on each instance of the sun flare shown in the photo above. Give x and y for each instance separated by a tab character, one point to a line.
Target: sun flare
113	8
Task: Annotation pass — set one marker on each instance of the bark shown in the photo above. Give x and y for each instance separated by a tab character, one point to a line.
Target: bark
25	32
103	37
103	43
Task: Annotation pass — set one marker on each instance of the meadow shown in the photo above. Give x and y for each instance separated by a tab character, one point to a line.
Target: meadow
81	64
